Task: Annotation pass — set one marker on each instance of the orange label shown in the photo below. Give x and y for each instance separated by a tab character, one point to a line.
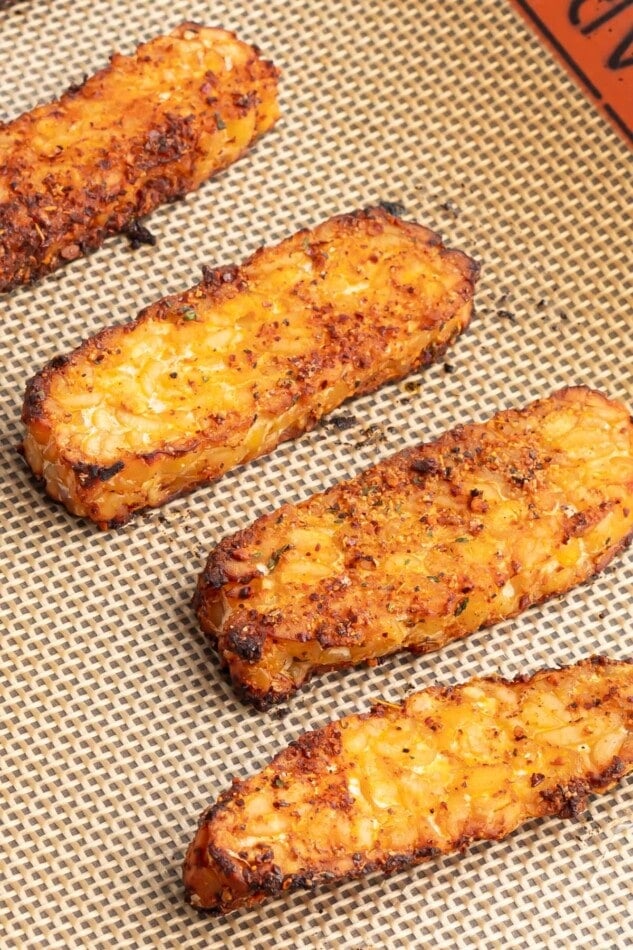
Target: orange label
594	39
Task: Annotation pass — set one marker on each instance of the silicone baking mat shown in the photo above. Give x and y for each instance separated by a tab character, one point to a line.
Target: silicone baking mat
117	726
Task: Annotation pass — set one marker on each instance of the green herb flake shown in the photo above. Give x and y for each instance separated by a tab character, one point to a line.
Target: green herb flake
219	121
461	540
274	558
277	782
189	314
434	578
461	607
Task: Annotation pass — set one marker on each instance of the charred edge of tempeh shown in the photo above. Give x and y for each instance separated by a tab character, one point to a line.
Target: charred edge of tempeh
240	885
152	138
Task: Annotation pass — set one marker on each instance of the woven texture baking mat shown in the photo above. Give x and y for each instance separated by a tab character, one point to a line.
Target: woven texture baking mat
117	725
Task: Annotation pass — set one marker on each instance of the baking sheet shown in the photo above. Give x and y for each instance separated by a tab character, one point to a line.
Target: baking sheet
117	726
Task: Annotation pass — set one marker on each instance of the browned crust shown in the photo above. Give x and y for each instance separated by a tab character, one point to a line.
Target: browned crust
219	284
46	225
356	347
244	635
311	753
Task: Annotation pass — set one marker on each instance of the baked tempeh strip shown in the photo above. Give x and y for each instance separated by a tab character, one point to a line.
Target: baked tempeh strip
145	130
210	378
428	546
390	788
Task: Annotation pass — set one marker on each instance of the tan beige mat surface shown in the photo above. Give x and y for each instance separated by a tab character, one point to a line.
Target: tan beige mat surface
117	726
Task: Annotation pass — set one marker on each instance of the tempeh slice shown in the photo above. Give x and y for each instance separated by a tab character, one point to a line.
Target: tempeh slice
398	785
428	546
147	129
251	356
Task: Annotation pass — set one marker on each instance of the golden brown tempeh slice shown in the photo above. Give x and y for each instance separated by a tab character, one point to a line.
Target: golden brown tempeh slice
145	130
428	546
253	355
390	788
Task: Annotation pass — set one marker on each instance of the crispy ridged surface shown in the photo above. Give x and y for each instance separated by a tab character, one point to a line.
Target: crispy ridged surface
145	130
428	546
402	783
253	355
